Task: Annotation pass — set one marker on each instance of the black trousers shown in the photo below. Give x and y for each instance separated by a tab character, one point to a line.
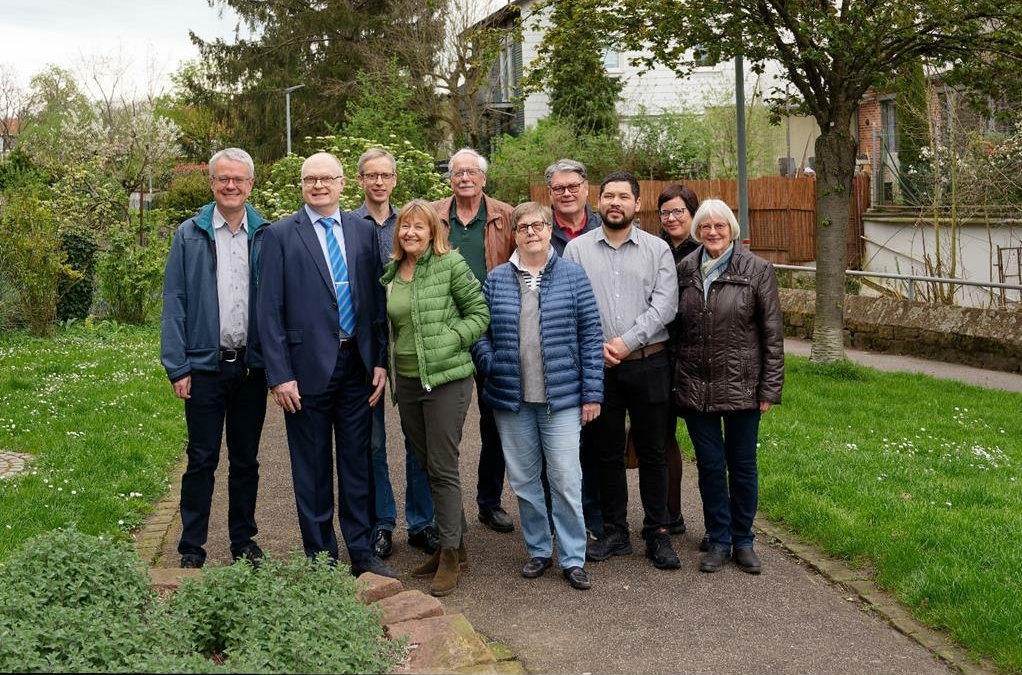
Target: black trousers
639	389
491	455
235	397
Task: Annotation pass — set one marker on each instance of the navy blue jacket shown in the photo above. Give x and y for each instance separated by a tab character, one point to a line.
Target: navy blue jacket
570	333
190	324
559	240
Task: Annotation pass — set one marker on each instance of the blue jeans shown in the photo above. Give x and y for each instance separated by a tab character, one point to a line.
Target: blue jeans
725	445
418	501
529	437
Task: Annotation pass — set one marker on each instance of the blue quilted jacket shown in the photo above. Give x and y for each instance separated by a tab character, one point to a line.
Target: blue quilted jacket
570	332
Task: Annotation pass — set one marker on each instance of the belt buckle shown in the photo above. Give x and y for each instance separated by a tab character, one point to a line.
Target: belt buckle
228	355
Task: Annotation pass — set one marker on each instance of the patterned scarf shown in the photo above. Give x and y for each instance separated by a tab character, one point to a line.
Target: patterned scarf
714	267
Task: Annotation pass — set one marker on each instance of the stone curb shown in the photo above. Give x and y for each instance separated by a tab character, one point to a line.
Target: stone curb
860	583
438	642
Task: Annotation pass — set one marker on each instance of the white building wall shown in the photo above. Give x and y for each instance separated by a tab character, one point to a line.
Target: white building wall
898	245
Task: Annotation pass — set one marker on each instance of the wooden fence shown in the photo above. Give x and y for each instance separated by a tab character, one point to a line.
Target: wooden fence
782	213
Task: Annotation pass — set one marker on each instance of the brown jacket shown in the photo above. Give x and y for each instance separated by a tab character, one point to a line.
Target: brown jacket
728	349
499	240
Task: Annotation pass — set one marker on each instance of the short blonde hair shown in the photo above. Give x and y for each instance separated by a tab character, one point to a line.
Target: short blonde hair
718	209
437	230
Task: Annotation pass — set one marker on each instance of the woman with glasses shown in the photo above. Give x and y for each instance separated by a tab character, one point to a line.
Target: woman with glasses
436	311
543	361
676	205
728	371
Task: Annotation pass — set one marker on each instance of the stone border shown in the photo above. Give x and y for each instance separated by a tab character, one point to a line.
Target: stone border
12	463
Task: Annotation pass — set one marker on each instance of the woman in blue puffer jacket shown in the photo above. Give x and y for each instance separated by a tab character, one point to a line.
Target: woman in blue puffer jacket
543	361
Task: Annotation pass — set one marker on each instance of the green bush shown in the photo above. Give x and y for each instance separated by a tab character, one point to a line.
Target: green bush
187	193
131	270
75	295
71	602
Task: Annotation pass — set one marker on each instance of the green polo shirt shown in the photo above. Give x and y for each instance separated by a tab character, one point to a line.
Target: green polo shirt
470	239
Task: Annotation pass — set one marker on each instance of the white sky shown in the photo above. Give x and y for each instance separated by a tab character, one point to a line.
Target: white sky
149	38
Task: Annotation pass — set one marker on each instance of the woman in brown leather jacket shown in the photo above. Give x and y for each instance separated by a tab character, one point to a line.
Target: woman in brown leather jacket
729	370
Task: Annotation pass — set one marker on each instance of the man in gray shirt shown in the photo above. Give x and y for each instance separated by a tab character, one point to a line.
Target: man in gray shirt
636	287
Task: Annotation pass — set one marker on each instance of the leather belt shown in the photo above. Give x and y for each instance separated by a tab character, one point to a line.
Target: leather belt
648	350
346	343
232	355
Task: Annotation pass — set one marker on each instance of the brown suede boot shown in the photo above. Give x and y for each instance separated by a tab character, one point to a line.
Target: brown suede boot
446	579
429	568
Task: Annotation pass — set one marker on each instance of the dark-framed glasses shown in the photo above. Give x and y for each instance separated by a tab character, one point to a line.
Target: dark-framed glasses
572	188
677	213
536	227
373	177
313	181
227	180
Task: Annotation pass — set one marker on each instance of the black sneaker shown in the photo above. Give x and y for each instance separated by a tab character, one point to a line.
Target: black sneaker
383	544
578	578
534	567
190	561
660	551
610	544
425	539
714	559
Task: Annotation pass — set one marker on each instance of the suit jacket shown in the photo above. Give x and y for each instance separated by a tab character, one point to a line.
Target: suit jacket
298	308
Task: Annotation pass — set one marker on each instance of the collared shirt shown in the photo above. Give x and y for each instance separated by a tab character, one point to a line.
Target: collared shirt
321	236
470	238
384	230
232	277
636	284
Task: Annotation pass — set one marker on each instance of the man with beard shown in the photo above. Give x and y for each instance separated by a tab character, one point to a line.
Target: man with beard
636	287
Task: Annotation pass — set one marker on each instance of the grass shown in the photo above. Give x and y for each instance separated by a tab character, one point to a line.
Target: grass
95	411
916	478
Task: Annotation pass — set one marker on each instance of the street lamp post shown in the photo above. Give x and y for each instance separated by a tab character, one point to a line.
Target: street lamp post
287	105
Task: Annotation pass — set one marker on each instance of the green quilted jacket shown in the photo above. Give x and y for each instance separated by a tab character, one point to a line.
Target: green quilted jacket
449	314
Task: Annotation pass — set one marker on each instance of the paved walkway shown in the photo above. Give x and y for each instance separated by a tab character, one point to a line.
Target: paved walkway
804	614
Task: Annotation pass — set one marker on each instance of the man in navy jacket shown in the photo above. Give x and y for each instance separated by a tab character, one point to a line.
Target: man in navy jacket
209	346
322	318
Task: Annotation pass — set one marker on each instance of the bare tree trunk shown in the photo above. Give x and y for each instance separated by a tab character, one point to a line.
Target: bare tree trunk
835	164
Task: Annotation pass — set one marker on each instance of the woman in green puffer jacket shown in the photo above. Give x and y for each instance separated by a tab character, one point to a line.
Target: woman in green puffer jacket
437	312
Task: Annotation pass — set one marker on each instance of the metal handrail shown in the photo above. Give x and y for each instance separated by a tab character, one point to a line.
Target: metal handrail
908	277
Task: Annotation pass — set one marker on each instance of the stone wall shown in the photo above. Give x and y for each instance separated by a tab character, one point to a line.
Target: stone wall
984	338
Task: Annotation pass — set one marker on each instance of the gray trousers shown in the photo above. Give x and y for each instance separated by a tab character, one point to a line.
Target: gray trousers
433	421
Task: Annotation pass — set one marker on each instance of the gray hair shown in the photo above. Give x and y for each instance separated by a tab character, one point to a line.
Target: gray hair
715	208
565	165
480	160
235	155
375	153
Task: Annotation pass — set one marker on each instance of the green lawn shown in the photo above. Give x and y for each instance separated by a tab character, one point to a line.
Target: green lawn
914	478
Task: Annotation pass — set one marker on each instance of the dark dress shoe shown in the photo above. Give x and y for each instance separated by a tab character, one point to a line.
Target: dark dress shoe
578	578
747	559
677	526
660	551
704	543
497	520
190	561
610	544
376	566
425	539
383	544
535	567
252	553
713	560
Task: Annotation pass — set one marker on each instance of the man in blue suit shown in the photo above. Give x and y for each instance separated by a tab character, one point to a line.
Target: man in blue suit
322	320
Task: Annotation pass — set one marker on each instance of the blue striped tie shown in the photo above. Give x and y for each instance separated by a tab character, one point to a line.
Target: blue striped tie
339	268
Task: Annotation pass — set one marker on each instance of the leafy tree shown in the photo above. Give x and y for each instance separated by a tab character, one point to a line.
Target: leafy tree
582	94
385	107
669	145
321	45
831	53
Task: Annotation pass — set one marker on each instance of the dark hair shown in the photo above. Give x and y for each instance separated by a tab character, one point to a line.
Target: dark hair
621	177
683	192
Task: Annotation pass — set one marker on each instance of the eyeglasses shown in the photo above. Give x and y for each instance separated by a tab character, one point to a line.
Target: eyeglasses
313	181
677	213
471	173
715	227
373	177
573	188
535	228
227	180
